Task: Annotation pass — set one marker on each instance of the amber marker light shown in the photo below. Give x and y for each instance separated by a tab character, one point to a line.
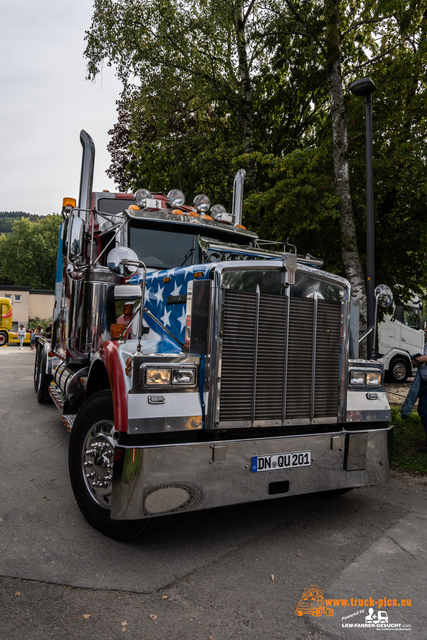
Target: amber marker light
240	226
206	217
134	207
128	308
177	212
116	331
69	202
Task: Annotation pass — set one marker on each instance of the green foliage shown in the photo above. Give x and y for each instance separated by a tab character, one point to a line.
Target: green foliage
28	254
400	176
196	156
7	218
197	75
299	202
33	322
409	434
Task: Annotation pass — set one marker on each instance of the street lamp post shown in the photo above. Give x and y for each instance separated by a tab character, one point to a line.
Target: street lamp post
365	87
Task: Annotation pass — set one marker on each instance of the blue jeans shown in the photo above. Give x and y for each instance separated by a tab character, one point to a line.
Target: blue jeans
21	341
422	405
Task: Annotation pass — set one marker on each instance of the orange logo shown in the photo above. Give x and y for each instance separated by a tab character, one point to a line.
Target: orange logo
312	603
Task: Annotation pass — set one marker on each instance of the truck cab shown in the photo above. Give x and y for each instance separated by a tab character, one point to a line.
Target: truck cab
401	335
198	366
7	336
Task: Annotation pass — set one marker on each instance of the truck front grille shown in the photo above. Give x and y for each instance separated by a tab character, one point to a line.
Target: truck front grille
279	359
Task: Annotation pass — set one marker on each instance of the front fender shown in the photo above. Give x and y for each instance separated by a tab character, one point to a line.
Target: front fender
107	370
388	357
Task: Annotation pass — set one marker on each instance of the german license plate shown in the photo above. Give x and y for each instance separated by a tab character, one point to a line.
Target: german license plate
281	461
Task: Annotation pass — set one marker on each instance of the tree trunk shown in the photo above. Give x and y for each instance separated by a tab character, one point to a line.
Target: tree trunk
350	253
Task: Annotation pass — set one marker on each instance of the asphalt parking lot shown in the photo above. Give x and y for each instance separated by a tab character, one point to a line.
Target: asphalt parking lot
235	572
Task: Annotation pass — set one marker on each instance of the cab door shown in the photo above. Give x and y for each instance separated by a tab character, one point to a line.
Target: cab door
412	336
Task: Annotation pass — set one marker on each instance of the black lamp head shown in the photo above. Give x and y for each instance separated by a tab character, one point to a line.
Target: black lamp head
362	87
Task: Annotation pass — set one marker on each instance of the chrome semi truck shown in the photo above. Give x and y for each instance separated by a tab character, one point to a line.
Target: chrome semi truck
197	367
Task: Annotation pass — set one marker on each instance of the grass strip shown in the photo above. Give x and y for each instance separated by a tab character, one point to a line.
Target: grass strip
409	434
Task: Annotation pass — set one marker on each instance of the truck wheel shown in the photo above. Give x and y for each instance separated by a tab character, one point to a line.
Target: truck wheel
398	371
90	461
3	338
41	378
36	369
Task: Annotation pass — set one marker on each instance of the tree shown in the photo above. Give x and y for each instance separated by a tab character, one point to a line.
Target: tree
350	37
270	78
28	254
196	154
207	53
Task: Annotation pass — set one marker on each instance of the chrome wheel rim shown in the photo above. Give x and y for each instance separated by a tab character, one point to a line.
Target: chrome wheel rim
399	371
98	461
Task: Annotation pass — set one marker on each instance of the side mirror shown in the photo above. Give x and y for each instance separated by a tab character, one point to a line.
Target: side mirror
123	262
75	238
383	298
383	295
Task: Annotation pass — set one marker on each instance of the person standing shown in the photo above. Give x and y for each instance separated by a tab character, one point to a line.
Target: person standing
32	340
38	332
21	336
48	332
421	363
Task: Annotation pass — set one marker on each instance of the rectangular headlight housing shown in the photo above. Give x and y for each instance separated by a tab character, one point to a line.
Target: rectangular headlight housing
157	376
373	378
169	376
365	378
184	376
357	378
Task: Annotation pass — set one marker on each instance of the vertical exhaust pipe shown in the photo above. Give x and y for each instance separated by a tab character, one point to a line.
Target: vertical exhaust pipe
239	180
77	287
86	176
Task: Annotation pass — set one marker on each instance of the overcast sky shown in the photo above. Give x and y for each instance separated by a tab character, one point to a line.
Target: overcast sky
46	101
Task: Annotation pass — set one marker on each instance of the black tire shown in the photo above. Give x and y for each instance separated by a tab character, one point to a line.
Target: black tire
3	338
399	370
94	425
36	369
41	378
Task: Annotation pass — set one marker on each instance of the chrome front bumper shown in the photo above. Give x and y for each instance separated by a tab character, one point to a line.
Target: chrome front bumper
165	479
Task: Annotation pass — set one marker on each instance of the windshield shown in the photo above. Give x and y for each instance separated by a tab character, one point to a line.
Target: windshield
412	318
161	247
225	255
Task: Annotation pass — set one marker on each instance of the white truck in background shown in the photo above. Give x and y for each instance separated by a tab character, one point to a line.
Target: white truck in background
400	335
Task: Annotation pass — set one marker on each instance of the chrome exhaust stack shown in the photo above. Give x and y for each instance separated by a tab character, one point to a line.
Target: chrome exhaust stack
239	180
86	176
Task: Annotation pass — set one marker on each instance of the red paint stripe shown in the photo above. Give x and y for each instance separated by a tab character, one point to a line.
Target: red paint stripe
109	353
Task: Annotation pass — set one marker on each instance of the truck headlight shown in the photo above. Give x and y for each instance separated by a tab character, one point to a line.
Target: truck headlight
365	378
157	376
357	377
185	376
171	376
373	378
